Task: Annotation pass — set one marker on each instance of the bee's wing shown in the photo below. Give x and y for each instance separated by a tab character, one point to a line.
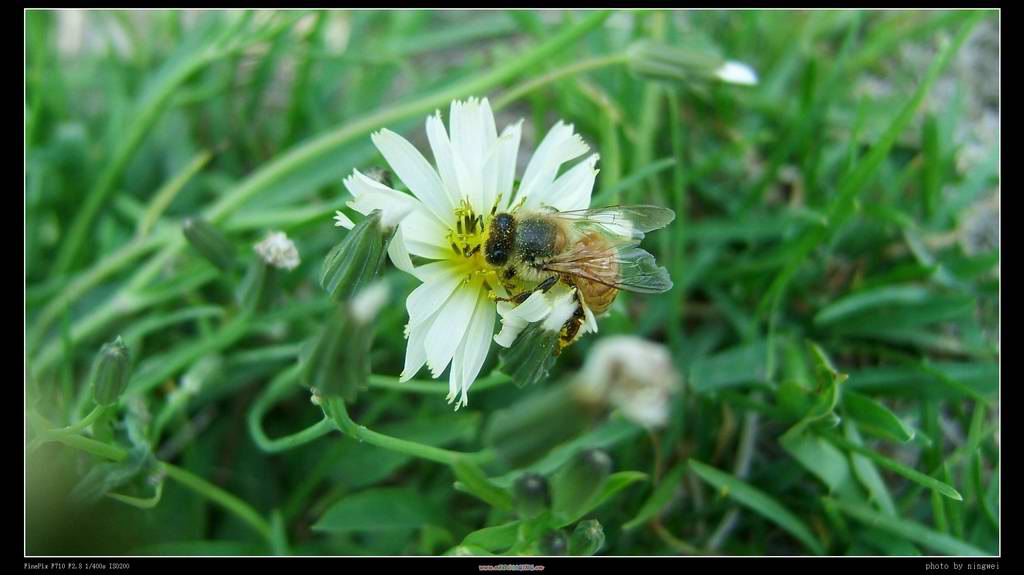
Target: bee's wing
624	223
629	268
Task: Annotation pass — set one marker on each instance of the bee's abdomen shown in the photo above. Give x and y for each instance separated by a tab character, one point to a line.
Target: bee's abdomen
598	296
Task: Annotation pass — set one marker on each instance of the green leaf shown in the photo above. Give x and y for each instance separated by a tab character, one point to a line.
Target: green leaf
875	418
661	497
494	538
896	467
736	366
759	501
467	551
868	300
611	433
868	475
819	457
981	378
915	532
377	509
616	482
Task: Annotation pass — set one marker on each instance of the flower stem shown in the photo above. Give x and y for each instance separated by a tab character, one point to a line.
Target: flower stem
85	422
525	88
239	508
334	407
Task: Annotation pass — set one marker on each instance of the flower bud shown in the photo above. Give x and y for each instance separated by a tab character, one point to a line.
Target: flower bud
578	481
535	332
587	539
278	251
554	543
111	372
531	357
209	242
660	61
531	495
357	259
527	430
337	361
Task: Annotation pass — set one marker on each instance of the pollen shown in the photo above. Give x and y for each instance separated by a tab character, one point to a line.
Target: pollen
469	234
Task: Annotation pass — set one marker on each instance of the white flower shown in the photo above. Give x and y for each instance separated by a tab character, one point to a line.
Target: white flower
737	73
278	251
633	374
451	315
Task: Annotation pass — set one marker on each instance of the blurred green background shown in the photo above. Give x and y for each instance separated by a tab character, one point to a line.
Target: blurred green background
840	218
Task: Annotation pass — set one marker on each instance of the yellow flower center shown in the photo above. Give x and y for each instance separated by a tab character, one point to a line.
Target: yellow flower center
467	241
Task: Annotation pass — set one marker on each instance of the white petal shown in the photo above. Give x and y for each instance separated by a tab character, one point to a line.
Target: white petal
490	131
415	350
442	149
561	311
514	319
476	344
590	323
446	333
414	170
571	191
343	221
425	236
737	73
399	253
469	146
455	375
559	146
533	309
507	150
440	280
489	180
369	195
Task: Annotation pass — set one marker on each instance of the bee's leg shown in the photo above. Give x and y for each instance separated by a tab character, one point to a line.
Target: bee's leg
571	327
547	284
522	296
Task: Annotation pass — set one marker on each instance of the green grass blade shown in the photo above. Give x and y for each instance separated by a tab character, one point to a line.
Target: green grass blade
915	532
758	501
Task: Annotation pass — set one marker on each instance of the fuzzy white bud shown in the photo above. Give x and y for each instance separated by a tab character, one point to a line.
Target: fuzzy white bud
279	251
632	374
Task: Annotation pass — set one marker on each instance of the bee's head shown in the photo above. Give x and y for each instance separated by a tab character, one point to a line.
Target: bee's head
500	239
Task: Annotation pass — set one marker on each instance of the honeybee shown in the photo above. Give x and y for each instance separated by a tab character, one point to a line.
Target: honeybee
592	250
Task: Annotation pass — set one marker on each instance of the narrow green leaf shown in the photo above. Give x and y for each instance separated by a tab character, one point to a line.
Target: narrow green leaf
616	482
661	497
759	501
818	457
868	475
875	418
735	366
896	467
913	531
869	300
